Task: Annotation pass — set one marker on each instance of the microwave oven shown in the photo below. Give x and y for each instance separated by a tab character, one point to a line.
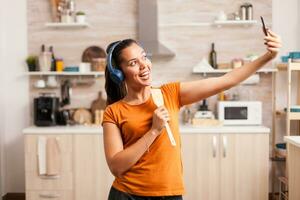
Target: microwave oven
240	112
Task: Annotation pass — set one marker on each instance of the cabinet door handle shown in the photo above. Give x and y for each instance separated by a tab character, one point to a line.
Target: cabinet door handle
214	146
50	177
224	146
49	196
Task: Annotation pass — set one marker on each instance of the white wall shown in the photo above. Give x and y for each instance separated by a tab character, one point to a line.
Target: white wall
2	118
14	101
286	22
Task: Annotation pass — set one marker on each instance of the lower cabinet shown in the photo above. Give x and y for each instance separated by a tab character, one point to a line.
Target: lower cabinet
84	172
225	166
216	167
52	194
92	178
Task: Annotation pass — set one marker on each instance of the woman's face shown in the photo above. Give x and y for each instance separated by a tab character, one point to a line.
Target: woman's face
136	66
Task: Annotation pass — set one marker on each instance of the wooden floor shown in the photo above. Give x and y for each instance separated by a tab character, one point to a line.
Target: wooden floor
14	196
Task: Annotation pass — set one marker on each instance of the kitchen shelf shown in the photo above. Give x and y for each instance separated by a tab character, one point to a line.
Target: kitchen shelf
294	115
217	22
234	22
186	24
65	73
221	71
66	25
284	66
295	66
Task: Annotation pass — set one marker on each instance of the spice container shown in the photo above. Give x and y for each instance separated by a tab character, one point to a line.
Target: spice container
59	65
187	115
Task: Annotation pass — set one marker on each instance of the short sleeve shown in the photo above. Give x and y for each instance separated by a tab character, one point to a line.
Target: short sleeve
108	116
172	93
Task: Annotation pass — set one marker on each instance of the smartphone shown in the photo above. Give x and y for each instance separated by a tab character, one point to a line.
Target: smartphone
264	26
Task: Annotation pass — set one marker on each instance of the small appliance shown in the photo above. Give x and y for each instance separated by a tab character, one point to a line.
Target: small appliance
203	112
45	109
240	112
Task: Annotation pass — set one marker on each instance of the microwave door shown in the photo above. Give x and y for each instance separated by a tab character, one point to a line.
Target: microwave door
236	113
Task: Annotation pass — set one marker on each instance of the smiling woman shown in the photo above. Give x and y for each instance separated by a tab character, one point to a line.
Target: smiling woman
137	148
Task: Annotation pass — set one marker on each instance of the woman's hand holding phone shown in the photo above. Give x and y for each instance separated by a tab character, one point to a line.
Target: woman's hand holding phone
272	40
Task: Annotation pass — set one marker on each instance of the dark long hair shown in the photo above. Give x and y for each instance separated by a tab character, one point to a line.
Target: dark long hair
114	91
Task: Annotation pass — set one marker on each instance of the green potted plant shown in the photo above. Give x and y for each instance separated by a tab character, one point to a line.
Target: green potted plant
32	63
80	17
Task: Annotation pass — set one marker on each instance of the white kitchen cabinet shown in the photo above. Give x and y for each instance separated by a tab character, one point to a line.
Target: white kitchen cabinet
293	164
226	166
33	181
84	172
91	174
56	195
200	164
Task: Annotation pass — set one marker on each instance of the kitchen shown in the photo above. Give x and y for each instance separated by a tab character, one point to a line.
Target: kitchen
183	28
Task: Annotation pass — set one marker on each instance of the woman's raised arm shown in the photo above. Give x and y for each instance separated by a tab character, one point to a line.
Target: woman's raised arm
193	91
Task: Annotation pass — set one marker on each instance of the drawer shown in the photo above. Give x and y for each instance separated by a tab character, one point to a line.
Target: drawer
31	162
62	182
64	141
49	194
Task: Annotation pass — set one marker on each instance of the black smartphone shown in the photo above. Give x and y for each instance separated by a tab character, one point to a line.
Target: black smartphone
264	26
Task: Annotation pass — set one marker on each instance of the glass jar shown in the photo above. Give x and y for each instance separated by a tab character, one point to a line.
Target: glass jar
59	65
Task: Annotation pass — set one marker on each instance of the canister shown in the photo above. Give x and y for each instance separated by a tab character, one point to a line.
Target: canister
59	65
249	11
243	10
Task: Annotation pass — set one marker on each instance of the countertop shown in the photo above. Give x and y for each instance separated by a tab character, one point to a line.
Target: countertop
295	140
184	129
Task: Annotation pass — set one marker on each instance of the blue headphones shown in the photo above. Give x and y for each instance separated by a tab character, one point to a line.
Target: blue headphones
116	75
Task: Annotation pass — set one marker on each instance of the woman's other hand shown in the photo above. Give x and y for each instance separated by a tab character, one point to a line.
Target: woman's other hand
273	43
160	118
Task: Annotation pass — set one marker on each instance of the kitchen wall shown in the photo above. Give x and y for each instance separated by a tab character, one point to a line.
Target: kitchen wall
190	43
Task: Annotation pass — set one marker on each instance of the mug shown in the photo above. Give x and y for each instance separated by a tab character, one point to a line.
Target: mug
84	67
40	83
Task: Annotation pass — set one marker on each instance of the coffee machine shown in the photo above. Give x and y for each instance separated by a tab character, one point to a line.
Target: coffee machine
45	109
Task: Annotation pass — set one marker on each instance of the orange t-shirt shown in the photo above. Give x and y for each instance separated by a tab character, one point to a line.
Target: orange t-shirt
158	172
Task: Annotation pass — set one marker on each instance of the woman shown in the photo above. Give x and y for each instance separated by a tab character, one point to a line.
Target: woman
137	149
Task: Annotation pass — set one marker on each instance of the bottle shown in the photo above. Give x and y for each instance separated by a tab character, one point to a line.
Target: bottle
213	56
44	60
53	60
243	12
187	115
221	96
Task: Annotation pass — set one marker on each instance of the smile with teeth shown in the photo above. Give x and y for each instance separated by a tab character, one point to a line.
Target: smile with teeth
145	74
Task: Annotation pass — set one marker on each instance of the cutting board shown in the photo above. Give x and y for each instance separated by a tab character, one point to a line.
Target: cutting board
98	104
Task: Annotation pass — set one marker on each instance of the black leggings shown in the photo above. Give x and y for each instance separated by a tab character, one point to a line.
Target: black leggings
115	194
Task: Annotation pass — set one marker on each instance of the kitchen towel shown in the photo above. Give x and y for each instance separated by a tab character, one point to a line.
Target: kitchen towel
53	157
42	155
